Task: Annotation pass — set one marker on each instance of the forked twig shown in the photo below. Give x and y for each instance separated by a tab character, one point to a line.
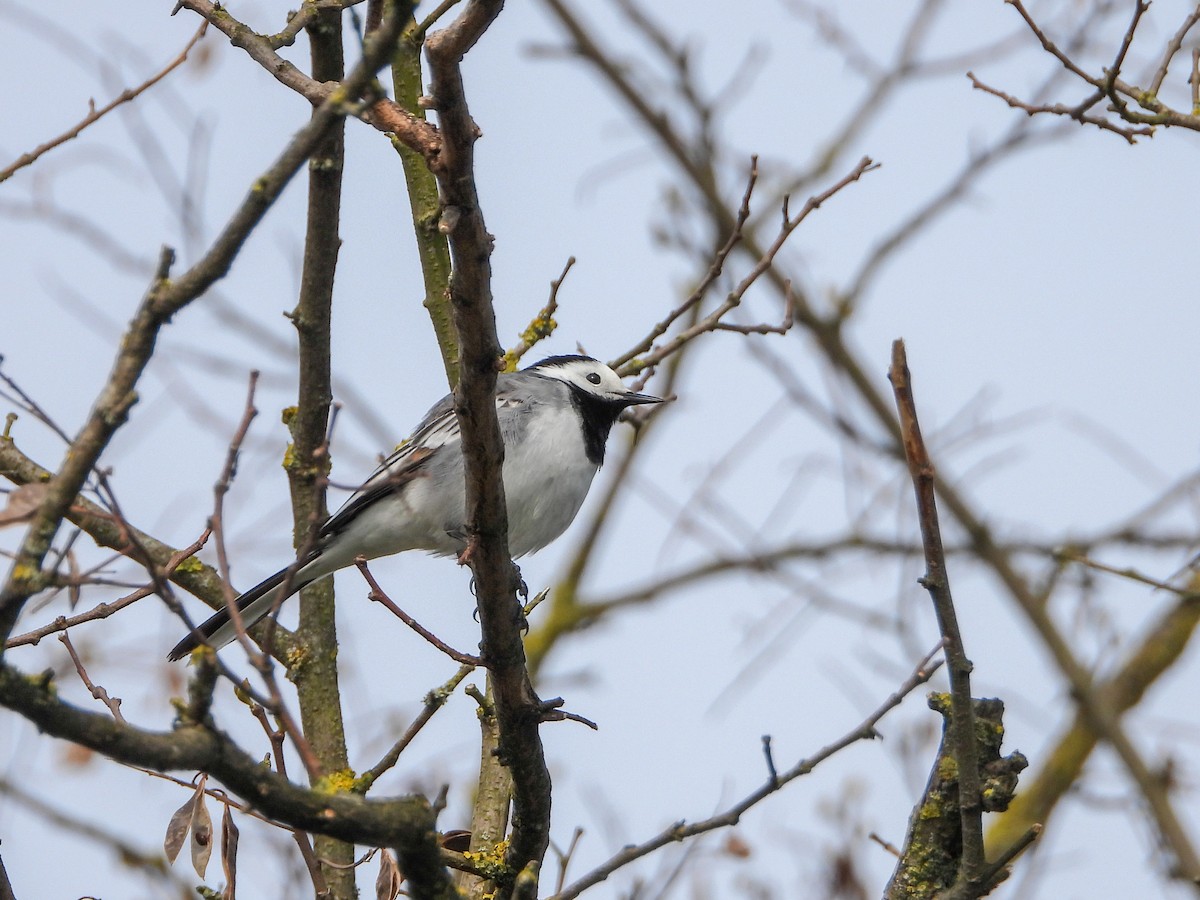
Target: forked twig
113	703
94	115
775	781
104	610
378	595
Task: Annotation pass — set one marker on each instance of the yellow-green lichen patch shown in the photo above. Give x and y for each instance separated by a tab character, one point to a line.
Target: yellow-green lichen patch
947	768
490	863
339	782
190	565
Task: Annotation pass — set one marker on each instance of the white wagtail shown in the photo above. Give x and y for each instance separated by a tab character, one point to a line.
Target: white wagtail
555	418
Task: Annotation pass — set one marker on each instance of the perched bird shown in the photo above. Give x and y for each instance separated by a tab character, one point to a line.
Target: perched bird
555	417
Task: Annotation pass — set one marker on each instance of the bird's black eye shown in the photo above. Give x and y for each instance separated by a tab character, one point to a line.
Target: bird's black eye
593	377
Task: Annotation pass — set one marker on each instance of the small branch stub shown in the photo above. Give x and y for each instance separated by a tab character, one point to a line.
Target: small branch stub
930	860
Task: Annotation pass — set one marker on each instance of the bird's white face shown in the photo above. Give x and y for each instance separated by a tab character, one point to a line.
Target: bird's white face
592	377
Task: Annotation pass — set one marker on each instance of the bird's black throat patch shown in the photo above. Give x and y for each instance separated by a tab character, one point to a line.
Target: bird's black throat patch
596	417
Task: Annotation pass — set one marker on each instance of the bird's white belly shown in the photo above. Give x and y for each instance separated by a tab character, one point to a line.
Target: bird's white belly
546	478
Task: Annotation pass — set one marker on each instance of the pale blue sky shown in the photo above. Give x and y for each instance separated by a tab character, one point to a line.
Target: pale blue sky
1062	285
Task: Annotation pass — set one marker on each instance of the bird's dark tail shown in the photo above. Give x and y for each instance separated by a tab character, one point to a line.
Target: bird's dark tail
218	630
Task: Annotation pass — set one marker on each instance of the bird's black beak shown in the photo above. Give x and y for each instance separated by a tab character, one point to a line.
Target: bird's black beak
632	399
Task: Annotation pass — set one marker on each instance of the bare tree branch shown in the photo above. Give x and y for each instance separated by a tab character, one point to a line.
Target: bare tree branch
433	701
94	115
936	580
382	114
166	297
542	325
104	610
318	687
1108	85
776	780
404	822
378	595
518	708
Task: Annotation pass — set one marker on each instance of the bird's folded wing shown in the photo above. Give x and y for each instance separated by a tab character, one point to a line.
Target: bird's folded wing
437	431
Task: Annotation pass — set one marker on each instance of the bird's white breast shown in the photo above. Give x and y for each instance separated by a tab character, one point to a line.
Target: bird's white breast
546	478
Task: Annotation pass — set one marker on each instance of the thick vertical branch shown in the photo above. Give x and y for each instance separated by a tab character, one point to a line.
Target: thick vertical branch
493	798
930	865
165	298
433	249
518	710
307	466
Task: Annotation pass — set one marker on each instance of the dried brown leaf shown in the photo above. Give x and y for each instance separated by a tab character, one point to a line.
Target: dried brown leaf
177	829
229	843
22	504
202	832
387	882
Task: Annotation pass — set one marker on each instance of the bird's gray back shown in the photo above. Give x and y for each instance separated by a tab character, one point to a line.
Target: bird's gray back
427	469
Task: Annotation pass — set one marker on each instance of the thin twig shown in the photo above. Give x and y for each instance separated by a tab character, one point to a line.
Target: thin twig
681	830
276	736
733	299
564	859
1173	47
543	323
1048	45
715	268
1112	73
1186	593
1078	112
886	845
1194	80
113	703
937	582
22	399
217	519
378	595
104	610
94	115
434	701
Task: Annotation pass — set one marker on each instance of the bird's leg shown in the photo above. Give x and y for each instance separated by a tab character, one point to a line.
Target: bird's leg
523	591
468	551
522	587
